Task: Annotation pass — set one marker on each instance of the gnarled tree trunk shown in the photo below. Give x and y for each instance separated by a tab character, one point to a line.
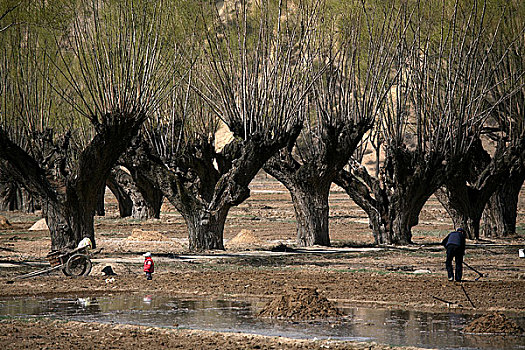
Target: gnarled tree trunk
14	197
466	194
69	199
68	224
464	210
9	196
125	204
147	199
309	178
309	188
100	210
404	210
394	201
69	176
312	213
205	229
499	216
136	195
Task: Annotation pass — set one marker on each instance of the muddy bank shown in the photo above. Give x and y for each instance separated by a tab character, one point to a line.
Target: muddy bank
48	334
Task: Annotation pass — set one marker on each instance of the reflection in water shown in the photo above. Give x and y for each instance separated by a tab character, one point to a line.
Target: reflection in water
395	327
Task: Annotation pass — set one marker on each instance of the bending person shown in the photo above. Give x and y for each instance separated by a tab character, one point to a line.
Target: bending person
455	245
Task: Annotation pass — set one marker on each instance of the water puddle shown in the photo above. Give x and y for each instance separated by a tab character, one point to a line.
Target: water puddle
394	327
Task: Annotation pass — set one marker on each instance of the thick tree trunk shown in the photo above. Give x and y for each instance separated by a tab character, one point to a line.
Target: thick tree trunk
202	184
464	207
410	177
9	196
499	216
147	199
68	224
69	196
14	197
206	218
375	208
308	177
100	210
393	208
404	214
464	210
311	212
466	194
378	222
125	204
205	229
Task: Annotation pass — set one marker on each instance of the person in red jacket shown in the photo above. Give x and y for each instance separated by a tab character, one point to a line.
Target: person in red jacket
149	266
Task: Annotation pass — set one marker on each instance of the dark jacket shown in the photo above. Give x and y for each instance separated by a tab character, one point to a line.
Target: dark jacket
456	238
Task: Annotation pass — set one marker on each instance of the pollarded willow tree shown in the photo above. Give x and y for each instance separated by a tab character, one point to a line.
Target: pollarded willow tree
496	171
434	115
253	75
12	195
342	108
499	217
113	67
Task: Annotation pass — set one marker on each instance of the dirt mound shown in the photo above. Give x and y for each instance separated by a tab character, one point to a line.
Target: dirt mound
141	235
40	225
493	323
300	304
4	223
245	237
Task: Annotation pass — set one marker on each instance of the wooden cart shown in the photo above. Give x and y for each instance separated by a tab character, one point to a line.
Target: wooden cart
73	262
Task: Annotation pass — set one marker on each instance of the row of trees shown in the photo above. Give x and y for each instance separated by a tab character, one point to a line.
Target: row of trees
130	94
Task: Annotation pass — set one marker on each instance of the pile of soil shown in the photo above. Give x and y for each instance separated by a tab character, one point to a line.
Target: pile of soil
141	235
300	304
4	223
40	225
493	323
245	237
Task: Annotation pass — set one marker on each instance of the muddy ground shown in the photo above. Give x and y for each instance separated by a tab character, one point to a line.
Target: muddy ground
254	266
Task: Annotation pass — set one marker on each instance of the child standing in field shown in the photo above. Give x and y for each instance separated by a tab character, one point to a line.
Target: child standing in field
149	266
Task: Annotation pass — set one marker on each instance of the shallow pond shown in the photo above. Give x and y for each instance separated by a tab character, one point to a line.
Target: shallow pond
394	327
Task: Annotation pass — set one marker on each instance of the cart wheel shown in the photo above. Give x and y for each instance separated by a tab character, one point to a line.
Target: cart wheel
78	265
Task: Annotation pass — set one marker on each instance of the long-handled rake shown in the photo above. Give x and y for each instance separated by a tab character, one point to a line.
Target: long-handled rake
476	271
